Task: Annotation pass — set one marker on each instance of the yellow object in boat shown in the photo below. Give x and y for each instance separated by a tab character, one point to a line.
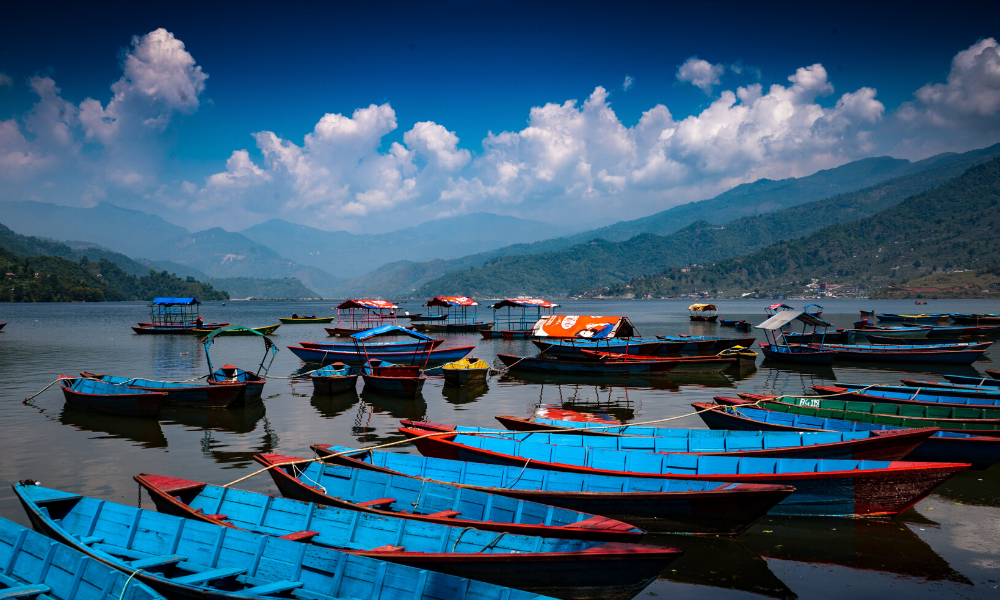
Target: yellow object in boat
465	371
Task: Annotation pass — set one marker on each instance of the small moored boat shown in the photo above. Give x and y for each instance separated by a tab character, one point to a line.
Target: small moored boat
108	398
334	379
467	371
703	312
194	395
297	320
265	330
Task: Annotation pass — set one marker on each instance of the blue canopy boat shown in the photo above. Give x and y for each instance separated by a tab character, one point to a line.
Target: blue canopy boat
108	398
201	561
943	446
334	379
569	568
177	394
658	506
252	384
392	495
174	316
34	566
822	487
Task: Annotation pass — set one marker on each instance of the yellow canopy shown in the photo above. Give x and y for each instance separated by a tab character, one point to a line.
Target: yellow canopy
701	307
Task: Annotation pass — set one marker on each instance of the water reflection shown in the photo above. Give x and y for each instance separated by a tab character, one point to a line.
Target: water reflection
454	394
333	406
231	420
144	432
216	449
398	408
882	545
981	488
727	563
528	378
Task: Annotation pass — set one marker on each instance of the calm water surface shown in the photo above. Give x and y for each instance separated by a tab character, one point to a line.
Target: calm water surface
949	545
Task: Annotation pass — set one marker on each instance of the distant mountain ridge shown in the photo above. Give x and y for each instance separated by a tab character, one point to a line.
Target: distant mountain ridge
351	255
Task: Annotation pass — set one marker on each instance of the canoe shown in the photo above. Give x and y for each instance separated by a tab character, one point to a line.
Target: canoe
468	371
419	317
35	566
895	332
721	343
831	337
927	397
911	356
921	318
303	320
946	390
797	355
376	346
682	364
111	399
943	446
570	569
431	327
690	343
881	340
149	328
492	334
658	506
994	373
986	319
334	379
392	379
946	331
986	382
573	349
252	385
357	357
891	413
553	366
847	488
897	347
392	495
177	394
839	445
266	330
187	559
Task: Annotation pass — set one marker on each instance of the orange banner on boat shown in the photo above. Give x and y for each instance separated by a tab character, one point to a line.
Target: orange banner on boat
586	327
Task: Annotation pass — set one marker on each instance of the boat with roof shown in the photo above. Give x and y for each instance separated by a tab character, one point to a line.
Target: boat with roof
171	316
778	349
518	323
455	314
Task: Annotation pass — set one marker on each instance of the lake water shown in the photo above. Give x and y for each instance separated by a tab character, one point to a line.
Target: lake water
949	544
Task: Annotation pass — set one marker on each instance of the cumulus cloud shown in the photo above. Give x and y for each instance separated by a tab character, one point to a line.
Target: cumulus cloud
6	80
963	112
700	73
629	82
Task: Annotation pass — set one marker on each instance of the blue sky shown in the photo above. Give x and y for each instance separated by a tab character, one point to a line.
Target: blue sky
470	68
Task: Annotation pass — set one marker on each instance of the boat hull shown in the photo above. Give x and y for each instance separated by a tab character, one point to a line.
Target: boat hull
335	385
400	387
726	510
430	327
946	400
576	351
845	493
142	404
794	357
300	321
357	358
194	396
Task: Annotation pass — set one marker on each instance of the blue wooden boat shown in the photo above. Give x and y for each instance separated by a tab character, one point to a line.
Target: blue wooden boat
356	358
910	354
570	569
334	379
573	348
108	398
822	487
201	561
882	340
921	318
391	495
34	566
373	347
403	381
914	395
813	309
177	394
896	347
703	342
943	446
658	506
839	445
797	355
987	382
251	385
841	336
605	368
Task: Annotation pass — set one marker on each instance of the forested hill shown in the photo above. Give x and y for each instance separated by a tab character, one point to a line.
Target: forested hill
600	263
37	270
953	227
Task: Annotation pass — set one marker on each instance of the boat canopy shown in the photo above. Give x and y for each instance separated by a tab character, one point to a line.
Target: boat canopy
390	330
780	306
215	332
268	346
447	301
173	301
366	304
702	307
524	303
785	317
586	327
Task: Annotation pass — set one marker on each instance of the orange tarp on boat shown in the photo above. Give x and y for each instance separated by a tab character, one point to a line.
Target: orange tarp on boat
369	304
586	327
524	303
452	301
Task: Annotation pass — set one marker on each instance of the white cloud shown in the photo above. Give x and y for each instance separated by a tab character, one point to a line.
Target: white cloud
6	80
960	114
438	145
628	83
700	73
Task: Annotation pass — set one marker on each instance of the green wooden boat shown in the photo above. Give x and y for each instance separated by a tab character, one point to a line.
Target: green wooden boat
884	413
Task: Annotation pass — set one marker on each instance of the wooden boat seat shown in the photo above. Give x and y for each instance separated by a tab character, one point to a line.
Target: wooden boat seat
269	588
300	536
445	514
119	551
157	561
197	578
22	591
90	539
376	503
